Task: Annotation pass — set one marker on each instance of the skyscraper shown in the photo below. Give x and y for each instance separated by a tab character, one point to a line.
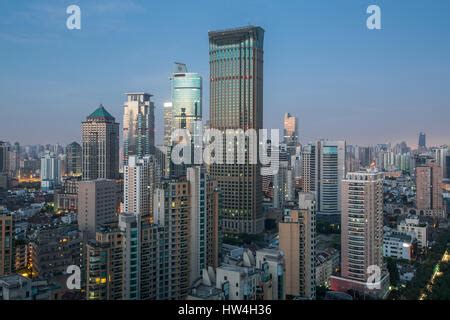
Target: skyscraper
97	201
73	159
236	102
330	170
428	189
4	165
100	137
422	146
138	125
4	157
186	98
361	232
290	132
297	241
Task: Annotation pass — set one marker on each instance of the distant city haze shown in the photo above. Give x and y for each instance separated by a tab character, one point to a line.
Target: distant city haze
321	64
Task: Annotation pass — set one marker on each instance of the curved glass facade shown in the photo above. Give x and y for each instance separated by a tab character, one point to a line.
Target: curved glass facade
186	100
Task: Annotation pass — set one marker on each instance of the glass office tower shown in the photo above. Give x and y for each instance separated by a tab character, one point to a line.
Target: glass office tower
236	102
186	98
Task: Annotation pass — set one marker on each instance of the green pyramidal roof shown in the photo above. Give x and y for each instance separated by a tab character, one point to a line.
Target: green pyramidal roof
101	112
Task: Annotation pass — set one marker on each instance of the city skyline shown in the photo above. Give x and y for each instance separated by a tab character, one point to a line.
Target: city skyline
308	160
391	91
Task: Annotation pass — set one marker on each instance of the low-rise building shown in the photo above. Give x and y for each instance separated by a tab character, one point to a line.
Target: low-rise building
416	228
327	261
15	287
399	245
271	264
242	281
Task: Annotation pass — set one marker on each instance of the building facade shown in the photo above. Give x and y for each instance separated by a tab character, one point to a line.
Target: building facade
97	205
74	155
172	214
186	98
428	190
204	222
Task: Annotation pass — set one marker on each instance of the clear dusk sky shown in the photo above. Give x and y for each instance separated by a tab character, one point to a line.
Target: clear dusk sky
321	64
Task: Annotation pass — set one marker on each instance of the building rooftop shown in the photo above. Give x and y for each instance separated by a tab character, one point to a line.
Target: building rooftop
13	281
231	31
399	235
203	291
141	93
101	112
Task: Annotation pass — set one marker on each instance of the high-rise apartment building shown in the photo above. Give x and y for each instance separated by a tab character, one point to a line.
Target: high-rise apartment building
428	189
297	234
140	178
236	102
50	171
123	261
130	226
97	205
309	168
330	170
168	123
138	125
172	210
440	157
100	135
6	244
362	234
53	248
204	221
283	185
361	223
104	265
74	155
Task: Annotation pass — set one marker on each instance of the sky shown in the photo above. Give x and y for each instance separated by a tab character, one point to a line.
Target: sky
321	64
